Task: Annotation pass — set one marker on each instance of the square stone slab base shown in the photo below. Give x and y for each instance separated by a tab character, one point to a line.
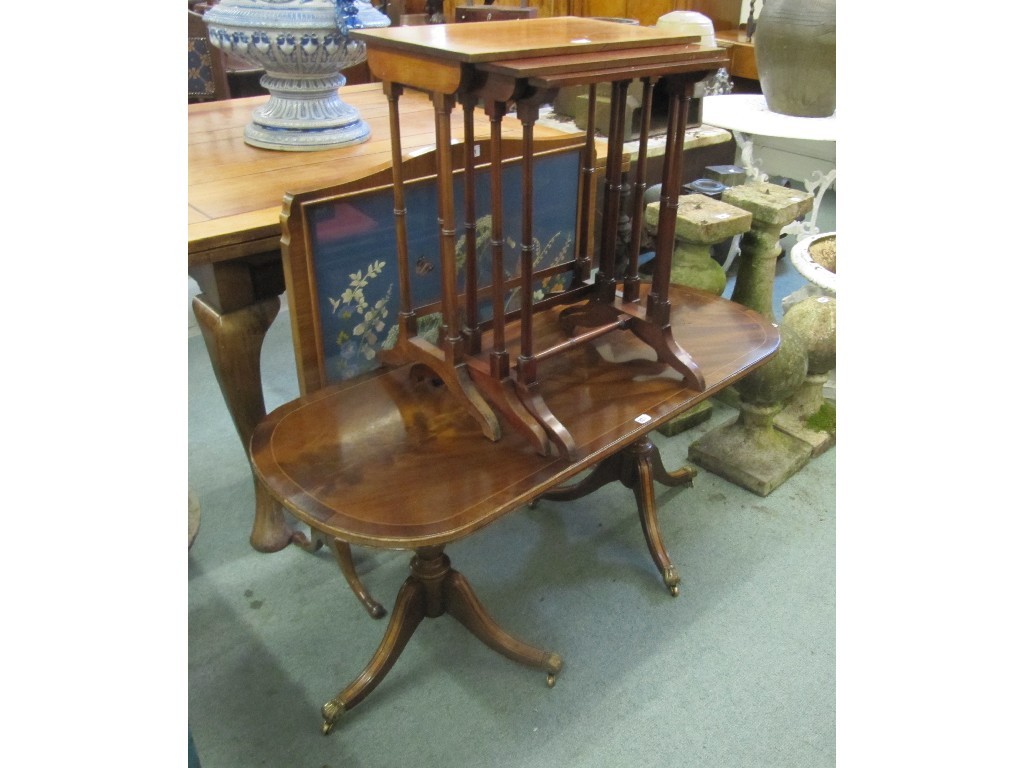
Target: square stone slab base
793	425
759	460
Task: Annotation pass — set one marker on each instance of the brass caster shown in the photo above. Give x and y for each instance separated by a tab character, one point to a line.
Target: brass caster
331	712
378	611
554	666
671	579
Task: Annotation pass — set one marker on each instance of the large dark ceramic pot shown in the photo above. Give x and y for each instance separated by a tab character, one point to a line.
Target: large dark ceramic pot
795	47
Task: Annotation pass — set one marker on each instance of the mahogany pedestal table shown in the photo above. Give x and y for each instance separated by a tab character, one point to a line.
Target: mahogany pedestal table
392	459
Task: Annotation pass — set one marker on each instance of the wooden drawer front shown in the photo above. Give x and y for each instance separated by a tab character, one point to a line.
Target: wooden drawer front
742	62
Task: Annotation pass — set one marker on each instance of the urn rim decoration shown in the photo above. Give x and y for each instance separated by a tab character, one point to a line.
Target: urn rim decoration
302	45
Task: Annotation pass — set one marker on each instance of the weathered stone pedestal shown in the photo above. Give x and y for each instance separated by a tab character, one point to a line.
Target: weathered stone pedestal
815	258
773	207
752	451
701	223
808	416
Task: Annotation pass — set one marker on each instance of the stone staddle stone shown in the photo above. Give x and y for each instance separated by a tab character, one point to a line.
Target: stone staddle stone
702	219
750	451
814	320
780	377
772	206
769	203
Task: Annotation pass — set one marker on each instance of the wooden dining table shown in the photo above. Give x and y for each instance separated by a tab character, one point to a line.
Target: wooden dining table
392	460
235	194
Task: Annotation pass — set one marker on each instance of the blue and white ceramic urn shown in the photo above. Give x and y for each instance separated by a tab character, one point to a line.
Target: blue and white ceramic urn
302	45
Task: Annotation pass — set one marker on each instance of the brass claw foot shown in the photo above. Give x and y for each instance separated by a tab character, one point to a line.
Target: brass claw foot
671	579
554	666
331	712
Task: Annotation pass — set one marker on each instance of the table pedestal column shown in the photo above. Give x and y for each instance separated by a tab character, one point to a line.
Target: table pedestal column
431	590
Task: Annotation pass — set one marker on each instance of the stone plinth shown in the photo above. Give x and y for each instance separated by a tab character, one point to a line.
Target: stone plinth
772	207
752	451
574	101
701	222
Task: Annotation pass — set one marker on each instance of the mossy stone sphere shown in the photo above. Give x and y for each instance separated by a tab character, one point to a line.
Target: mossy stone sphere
814	319
779	378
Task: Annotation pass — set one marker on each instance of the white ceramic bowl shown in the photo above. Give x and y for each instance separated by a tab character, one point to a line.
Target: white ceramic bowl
690	23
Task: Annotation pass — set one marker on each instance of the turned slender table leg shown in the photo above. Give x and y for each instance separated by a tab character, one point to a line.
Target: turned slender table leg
431	590
343	556
637	467
646	465
407	614
463	604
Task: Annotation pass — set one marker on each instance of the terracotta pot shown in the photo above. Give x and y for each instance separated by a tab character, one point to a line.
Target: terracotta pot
795	48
